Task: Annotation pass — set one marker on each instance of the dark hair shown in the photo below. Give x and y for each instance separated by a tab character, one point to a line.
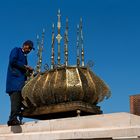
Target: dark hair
29	43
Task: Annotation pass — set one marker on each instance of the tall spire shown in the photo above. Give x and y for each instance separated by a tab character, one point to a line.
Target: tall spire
40	47
77	45
58	37
52	56
42	40
37	69
66	43
81	42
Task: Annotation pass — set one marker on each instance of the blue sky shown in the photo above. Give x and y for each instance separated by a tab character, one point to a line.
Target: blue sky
111	30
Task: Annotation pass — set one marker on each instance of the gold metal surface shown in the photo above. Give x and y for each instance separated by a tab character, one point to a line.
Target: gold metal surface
64	84
61	110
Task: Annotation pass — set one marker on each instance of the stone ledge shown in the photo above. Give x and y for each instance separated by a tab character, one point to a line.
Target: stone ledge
73	134
111	126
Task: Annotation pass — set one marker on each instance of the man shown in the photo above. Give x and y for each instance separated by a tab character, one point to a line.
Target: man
16	77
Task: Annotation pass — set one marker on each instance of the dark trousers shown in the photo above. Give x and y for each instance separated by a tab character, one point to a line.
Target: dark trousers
16	101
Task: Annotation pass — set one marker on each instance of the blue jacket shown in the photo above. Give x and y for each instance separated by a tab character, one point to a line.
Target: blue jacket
16	74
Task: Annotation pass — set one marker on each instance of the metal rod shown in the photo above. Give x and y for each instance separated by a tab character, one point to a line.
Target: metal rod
58	37
52	56
81	42
66	43
77	45
37	69
40	47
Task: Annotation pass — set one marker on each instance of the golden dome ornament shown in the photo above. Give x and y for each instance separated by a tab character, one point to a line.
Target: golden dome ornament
63	90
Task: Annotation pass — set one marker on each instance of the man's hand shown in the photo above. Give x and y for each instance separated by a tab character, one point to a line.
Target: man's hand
28	68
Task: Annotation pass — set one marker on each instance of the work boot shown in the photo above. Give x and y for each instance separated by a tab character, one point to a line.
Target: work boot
13	122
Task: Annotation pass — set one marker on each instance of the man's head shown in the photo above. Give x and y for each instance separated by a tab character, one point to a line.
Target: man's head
28	46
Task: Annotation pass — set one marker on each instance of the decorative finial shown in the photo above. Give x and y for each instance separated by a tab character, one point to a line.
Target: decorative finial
37	69
52	56
40	47
66	43
58	37
59	11
43	35
81	42
78	47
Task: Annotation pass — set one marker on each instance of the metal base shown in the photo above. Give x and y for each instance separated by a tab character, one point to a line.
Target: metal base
62	110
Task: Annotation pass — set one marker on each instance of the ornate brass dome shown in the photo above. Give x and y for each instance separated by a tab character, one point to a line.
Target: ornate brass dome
64	84
63	88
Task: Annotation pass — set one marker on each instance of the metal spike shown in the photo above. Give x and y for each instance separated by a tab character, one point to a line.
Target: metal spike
77	45
81	42
43	35
40	46
66	43
58	37
37	37
52	44
37	69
